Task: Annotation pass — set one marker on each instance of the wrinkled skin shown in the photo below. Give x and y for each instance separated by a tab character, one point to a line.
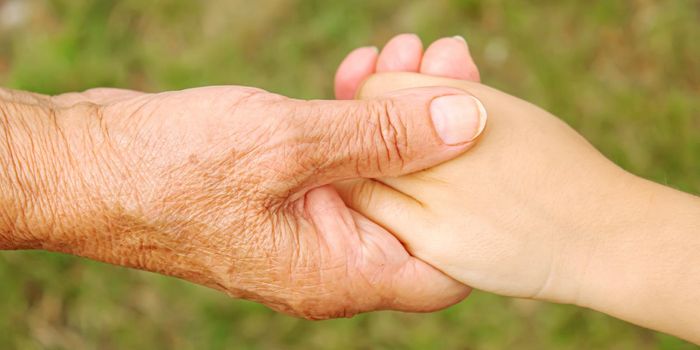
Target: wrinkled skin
227	187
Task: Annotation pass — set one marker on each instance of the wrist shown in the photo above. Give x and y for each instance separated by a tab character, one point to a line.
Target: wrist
40	179
24	154
605	212
643	265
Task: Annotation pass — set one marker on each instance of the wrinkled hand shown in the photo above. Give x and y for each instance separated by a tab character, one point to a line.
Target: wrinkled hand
228	187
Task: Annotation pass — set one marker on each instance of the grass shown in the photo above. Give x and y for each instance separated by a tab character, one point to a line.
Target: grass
625	74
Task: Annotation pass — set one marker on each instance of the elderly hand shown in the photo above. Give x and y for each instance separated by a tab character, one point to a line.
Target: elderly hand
228	187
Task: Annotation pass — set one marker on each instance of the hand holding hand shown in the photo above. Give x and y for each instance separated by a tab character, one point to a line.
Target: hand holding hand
535	211
226	187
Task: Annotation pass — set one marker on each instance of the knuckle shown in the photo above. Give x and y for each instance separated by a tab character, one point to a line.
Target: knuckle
390	135
87	108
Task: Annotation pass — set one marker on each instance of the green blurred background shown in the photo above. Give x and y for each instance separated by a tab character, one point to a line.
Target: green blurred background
626	74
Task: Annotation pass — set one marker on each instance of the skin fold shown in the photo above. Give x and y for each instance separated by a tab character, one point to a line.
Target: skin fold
224	186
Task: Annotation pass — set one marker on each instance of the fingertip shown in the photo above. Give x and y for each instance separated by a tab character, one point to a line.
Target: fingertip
451	58
356	67
458	119
403	53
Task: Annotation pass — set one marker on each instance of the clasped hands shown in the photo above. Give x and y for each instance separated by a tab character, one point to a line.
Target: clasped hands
330	208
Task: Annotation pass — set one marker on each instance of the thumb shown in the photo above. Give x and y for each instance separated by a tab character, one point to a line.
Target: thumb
390	135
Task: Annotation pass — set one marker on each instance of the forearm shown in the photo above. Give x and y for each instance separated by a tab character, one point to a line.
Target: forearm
646	267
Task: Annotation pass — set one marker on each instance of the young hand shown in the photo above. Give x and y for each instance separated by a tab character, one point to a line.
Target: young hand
535	211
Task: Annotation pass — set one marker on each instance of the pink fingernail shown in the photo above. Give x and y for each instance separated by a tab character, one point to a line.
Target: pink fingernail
458	118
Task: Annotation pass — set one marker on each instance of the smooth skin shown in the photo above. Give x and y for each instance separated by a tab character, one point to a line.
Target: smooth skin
534	211
228	187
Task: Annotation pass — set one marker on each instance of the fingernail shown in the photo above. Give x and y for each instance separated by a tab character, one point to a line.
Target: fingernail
460	38
373	48
458	118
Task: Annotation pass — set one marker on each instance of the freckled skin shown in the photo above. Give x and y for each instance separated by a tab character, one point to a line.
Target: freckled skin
221	186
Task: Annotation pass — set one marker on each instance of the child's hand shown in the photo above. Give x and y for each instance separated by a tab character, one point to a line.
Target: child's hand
465	213
510	216
533	210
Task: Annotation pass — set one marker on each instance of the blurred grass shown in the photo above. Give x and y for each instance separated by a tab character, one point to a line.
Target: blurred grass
626	74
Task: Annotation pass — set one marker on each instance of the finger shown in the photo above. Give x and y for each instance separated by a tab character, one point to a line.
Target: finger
394	134
379	84
383	204
356	67
401	281
411	285
406	219
402	53
450	58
